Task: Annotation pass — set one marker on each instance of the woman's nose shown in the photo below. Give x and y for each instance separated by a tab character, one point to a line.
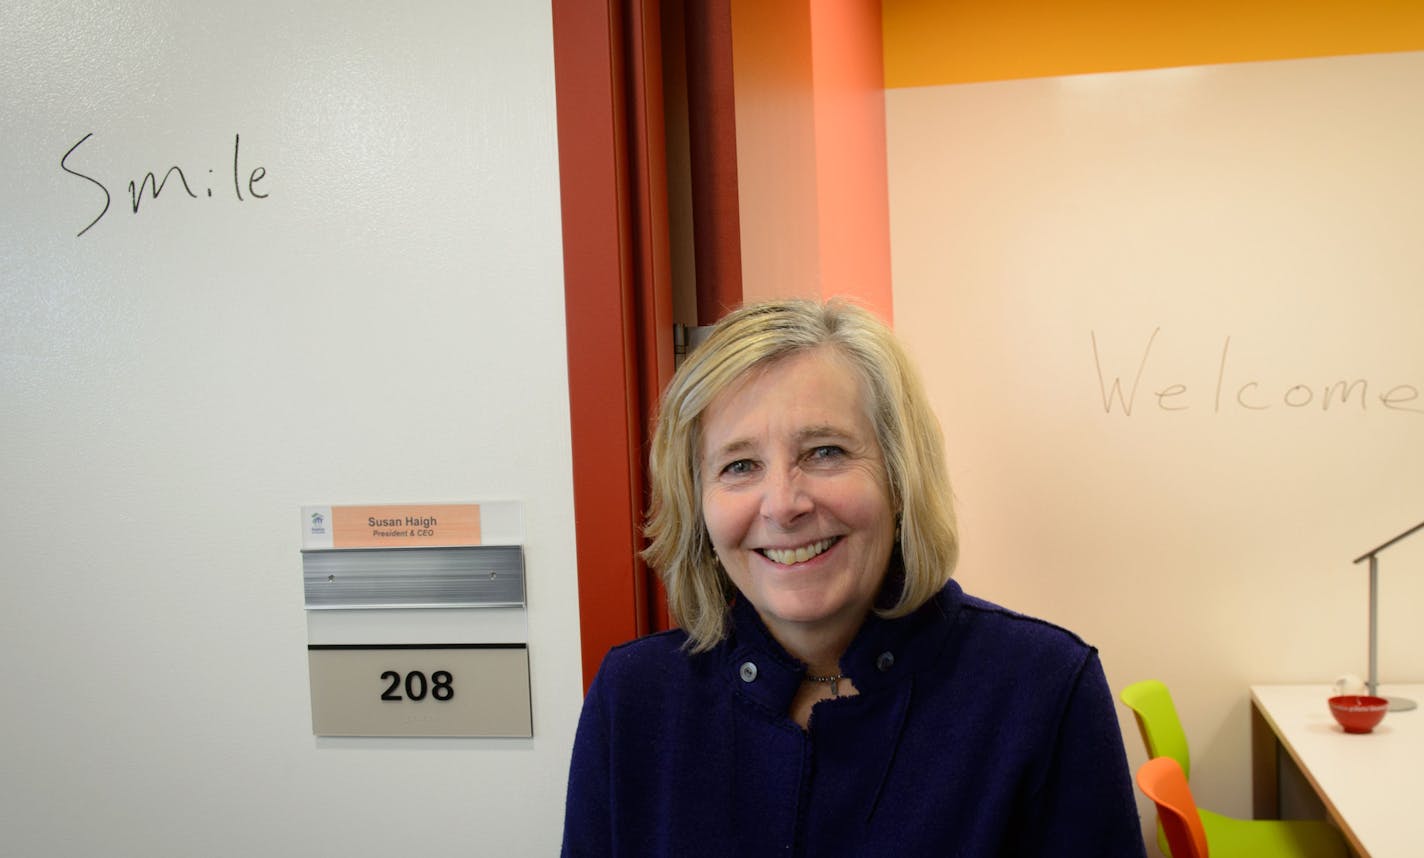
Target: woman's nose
785	499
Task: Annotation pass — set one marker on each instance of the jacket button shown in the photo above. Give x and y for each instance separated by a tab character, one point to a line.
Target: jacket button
748	671
885	661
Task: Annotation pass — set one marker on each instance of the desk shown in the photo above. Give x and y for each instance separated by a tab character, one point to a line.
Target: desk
1372	785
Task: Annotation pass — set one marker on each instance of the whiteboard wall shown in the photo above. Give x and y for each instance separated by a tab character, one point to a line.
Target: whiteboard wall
349	291
1238	246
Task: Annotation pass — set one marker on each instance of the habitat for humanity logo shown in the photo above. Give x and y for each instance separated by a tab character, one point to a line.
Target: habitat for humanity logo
318	524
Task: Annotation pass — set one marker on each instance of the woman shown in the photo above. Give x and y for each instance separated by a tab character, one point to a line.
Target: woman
831	691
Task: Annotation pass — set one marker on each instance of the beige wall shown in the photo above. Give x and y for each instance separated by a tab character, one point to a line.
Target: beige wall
1042	230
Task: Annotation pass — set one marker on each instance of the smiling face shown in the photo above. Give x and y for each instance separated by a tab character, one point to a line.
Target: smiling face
795	497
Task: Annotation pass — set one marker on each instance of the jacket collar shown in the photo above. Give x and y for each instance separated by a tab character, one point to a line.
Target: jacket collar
883	653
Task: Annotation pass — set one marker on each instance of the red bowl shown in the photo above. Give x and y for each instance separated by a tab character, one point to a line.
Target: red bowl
1358	713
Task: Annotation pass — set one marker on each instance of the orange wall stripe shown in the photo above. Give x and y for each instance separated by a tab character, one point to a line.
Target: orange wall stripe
934	42
810	151
853	195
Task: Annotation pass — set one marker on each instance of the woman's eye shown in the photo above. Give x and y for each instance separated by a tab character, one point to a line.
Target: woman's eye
826	451
737	468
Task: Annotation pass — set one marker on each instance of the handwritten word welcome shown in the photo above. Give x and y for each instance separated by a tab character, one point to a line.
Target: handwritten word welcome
1240	392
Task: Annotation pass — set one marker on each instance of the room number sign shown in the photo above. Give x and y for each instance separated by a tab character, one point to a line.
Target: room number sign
443	685
420	690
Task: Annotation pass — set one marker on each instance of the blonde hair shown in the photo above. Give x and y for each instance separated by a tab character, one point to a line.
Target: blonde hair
753	337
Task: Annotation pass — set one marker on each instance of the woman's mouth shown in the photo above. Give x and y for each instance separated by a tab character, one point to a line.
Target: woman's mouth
788	556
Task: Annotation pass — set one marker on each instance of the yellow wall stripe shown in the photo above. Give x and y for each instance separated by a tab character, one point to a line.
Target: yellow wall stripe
933	42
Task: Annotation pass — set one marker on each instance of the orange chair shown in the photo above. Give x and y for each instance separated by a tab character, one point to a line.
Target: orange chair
1162	780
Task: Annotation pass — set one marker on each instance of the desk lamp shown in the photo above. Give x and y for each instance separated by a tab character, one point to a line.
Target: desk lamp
1396	704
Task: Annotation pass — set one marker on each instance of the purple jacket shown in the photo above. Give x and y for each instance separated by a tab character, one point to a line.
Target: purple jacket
977	732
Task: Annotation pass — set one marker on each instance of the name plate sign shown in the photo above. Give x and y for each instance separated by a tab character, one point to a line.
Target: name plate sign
391	526
382	583
420	690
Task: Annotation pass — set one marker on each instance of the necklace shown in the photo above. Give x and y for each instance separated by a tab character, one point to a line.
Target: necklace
832	681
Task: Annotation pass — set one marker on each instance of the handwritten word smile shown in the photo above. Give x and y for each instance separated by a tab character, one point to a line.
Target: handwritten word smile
152	185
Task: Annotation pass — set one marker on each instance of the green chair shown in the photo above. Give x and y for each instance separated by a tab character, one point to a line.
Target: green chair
1227	837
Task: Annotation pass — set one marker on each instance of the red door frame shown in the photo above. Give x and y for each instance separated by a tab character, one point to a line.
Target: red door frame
608	84
608	73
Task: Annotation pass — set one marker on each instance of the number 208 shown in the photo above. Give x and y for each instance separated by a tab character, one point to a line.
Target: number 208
440	686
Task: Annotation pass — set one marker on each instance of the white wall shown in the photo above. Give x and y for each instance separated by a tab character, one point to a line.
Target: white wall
385	326
1277	204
